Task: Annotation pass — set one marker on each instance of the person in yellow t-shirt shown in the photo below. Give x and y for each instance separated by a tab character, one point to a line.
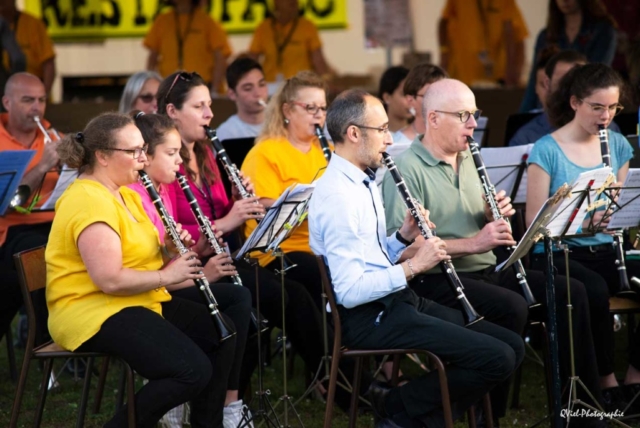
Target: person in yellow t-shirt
187	38
482	41
287	43
287	152
31	34
106	279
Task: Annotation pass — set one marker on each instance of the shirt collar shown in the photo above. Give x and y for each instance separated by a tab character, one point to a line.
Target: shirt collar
421	151
351	171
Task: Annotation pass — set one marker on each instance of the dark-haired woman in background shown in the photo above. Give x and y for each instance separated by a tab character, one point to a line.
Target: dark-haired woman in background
580	25
106	279
588	96
391	93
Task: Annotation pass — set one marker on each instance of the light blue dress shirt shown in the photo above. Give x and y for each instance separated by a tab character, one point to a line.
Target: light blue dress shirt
347	226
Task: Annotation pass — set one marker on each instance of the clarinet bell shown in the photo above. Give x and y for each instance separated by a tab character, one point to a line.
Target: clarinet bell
21	196
224	330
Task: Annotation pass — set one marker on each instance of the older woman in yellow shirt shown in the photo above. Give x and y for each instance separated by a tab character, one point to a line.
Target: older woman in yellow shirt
106	279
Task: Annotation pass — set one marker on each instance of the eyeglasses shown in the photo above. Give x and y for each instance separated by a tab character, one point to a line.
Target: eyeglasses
599	108
137	153
147	98
381	130
312	109
463	115
182	75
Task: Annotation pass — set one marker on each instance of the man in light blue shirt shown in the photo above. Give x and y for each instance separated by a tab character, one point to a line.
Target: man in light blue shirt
369	273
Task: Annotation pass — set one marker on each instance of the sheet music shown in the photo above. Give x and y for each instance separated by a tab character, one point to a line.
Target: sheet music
502	165
593	179
286	208
67	175
629	200
13	165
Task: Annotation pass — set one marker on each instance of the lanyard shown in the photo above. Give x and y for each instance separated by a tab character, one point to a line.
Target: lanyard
282	45
180	36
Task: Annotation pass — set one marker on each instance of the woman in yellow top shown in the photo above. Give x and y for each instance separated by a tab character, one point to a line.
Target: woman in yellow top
106	279
287	152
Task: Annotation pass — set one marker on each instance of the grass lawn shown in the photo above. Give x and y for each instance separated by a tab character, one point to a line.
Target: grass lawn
62	402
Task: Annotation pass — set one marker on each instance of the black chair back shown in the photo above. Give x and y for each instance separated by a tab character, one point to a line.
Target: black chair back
515	122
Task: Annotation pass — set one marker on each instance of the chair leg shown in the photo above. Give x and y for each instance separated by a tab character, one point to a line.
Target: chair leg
44	387
517	381
121	387
444	389
97	401
11	355
488	413
471	416
22	381
85	393
331	392
395	371
355	393
131	396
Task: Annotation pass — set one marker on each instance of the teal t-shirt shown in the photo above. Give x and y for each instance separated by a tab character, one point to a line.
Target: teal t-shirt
548	155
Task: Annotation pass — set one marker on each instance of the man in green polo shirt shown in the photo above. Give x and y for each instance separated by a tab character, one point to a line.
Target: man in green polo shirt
440	174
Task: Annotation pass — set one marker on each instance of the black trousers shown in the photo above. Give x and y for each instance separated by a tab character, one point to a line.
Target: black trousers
480	357
501	306
481	292
178	352
235	303
599	274
20	238
306	272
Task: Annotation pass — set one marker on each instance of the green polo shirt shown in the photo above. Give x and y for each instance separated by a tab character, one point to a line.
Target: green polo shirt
454	200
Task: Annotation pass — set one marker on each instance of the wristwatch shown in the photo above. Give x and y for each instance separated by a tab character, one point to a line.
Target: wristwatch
402	240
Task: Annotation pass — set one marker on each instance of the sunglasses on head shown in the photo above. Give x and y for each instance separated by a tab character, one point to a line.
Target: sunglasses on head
183	75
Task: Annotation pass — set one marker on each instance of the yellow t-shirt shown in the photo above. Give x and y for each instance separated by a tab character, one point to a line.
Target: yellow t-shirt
296	54
202	36
77	307
31	35
467	37
273	165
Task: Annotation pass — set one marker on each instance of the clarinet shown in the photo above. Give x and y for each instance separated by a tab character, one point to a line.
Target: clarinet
203	222
224	330
490	195
205	228
326	151
470	314
232	170
618	238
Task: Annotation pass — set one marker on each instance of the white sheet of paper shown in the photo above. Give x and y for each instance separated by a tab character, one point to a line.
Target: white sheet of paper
565	213
502	166
629	200
66	178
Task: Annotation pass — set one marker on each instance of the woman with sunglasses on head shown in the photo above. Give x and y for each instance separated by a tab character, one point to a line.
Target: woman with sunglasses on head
140	93
106	279
588	96
287	152
163	161
184	98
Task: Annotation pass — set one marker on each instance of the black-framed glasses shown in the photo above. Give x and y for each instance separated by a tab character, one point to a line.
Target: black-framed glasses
147	98
312	109
463	115
135	152
381	129
182	75
599	108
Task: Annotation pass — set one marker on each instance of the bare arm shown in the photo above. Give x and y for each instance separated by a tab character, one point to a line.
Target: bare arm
538	184
152	60
49	159
101	250
48	73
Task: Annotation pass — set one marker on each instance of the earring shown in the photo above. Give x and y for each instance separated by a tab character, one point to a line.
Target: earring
286	121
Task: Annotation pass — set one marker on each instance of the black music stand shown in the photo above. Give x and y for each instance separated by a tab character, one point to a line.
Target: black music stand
509	175
284	216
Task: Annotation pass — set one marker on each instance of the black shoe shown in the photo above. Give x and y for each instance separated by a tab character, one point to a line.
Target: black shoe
377	395
614	399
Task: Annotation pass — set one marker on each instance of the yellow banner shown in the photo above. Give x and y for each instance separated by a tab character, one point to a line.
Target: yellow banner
100	19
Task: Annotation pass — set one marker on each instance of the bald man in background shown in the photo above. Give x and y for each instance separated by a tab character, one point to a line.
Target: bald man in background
24	98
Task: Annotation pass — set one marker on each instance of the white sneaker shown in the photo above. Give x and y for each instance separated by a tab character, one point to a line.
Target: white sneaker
234	414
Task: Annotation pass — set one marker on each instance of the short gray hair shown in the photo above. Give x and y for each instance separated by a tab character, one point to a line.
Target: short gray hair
348	108
133	87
